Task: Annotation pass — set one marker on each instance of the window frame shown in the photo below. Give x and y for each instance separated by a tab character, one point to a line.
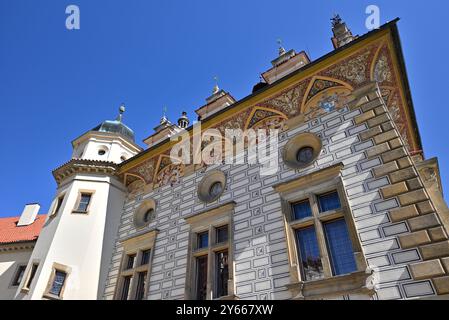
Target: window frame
14	283
309	187
209	221
57	267
78	201
135	245
56	209
30	279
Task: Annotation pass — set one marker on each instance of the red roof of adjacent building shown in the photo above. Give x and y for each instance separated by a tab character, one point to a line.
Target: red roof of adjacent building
11	233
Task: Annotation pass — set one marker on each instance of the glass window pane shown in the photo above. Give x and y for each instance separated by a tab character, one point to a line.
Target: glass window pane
84	202
302	210
329	201
125	288
222	234
19	275
340	247
58	283
130	262
203	240
32	274
201	277
145	257
309	254
141	281
222	274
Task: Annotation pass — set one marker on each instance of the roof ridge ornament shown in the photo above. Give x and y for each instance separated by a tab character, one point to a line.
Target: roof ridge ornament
281	49
216	88
121	110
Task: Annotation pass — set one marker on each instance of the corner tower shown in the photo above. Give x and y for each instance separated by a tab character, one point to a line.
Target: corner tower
71	257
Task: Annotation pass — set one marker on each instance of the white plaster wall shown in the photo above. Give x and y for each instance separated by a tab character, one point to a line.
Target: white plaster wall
9	263
76	240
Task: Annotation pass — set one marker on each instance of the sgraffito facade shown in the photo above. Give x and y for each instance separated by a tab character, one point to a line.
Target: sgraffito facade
354	211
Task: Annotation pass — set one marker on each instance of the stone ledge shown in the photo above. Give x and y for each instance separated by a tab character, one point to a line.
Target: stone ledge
423	222
426	269
394	190
394	154
385	169
441	284
403	213
386	136
437	234
414	239
412	197
435	250
377	150
403	174
378	120
364	117
353	283
368	134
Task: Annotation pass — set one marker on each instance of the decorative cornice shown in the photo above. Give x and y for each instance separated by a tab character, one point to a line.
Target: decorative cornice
17	246
75	166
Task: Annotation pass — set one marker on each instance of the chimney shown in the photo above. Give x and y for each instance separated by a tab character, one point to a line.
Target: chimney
29	214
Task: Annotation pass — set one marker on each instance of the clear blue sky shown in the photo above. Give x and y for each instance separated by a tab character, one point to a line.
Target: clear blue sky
55	84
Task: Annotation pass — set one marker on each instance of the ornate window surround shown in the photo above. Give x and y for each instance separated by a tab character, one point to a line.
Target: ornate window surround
57	267
306	187
207	221
78	199
55	210
135	245
27	283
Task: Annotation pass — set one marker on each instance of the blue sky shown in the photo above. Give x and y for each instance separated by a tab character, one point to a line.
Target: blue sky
55	84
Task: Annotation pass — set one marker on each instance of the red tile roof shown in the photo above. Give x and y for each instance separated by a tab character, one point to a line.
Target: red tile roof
11	233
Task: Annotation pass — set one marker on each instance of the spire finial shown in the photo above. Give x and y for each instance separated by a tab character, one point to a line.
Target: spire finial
121	110
164	117
216	88
336	20
281	49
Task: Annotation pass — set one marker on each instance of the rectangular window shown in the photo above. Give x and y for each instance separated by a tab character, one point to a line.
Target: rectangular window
309	254
222	234
302	210
141	284
145	259
125	288
135	267
203	240
31	277
329	201
58	283
201	277
84	202
130	261
340	247
58	205
222	273
18	276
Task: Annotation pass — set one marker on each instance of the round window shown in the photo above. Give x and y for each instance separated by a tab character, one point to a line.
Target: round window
148	216
101	152
301	150
145	214
305	155
212	186
216	189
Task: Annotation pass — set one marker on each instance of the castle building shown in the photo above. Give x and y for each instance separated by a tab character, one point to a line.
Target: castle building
353	210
